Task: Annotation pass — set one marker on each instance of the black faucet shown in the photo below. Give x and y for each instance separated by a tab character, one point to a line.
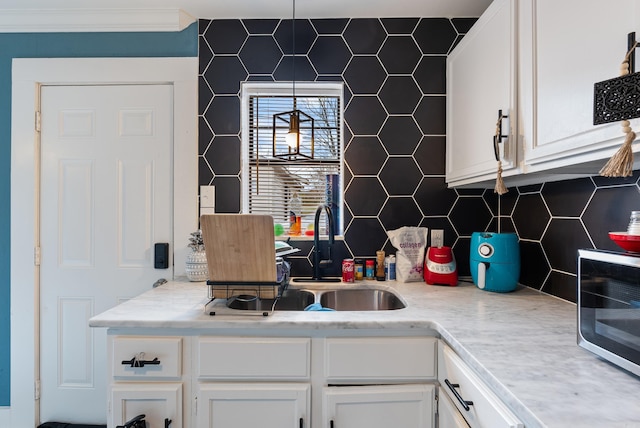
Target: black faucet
318	263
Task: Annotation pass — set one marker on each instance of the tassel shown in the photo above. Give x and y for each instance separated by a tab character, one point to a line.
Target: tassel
500	188
621	163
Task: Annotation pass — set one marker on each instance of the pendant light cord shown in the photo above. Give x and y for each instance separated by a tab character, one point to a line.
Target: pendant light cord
293	58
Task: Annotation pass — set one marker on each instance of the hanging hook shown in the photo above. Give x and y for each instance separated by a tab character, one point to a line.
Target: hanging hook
497	138
631	45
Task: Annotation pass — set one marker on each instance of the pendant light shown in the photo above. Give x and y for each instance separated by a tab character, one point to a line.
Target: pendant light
295	119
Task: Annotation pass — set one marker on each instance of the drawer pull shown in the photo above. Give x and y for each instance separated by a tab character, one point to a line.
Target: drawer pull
301	423
465	403
138	361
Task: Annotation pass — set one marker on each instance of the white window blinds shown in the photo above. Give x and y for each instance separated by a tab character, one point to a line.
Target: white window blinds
271	183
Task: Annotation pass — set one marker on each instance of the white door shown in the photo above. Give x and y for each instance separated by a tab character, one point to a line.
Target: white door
559	77
481	80
448	415
379	406
105	201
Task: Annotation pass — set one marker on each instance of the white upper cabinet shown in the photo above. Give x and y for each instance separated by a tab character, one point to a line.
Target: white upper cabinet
566	47
538	60
481	80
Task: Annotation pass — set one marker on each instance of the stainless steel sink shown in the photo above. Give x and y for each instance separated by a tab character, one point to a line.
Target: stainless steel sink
291	300
346	299
360	299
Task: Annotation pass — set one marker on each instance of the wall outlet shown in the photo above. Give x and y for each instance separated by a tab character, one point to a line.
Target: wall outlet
207	200
437	237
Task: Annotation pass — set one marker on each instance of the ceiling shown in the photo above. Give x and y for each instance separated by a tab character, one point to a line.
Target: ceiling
270	8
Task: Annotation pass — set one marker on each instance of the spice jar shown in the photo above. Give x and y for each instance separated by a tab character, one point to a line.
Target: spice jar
358	269
369	269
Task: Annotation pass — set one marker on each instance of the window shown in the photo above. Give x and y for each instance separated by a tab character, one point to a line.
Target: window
270	183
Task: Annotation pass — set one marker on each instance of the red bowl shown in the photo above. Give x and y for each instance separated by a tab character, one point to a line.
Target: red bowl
626	241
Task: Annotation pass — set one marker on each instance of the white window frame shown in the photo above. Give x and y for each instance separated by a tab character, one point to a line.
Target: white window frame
264	89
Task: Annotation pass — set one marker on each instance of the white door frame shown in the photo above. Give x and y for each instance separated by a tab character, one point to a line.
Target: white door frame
27	76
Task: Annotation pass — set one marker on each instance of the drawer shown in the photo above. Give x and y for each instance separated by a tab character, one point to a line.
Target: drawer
380	359
167	350
254	358
487	409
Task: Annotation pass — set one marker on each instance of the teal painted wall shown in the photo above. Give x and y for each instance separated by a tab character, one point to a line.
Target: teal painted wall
60	45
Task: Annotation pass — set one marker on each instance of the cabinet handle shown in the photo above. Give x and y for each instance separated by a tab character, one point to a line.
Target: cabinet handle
331	423
301	423
138	361
497	139
465	403
137	422
167	422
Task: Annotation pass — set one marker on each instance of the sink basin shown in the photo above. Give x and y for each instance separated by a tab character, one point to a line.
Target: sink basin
291	300
360	299
348	299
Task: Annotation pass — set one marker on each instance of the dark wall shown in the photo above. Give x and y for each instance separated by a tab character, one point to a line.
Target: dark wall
394	72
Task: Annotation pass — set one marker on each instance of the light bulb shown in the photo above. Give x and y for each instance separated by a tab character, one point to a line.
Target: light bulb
292	139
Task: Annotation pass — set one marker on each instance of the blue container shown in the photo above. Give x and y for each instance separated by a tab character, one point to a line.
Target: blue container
495	261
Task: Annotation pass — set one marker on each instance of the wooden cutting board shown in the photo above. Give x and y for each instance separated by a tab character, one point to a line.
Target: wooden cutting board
239	247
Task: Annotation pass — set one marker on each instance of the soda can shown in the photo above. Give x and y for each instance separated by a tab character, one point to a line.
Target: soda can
348	270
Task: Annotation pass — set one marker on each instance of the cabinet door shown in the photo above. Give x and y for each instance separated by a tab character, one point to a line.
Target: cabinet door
384	406
157	401
481	80
465	388
448	415
567	46
226	405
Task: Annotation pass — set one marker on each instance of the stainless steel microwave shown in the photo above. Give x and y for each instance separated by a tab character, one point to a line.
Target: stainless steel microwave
609	306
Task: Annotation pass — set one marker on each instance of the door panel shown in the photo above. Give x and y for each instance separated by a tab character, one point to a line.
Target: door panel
105	199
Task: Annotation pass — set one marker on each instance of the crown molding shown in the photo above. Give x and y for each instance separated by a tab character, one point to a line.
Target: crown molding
92	20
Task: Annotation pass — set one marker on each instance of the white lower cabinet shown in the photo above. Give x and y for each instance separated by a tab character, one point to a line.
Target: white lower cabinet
320	381
448	414
265	405
379	382
479	406
147	378
161	403
379	406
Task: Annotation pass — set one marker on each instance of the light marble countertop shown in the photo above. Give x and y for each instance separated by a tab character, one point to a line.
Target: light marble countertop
522	344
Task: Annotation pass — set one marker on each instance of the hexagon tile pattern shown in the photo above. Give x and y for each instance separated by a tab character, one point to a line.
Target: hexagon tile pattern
395	96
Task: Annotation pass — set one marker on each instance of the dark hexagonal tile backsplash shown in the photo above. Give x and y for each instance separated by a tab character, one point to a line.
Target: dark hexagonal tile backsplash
394	71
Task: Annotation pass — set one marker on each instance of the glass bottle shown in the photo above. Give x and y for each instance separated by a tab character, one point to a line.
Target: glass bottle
295	215
634	223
